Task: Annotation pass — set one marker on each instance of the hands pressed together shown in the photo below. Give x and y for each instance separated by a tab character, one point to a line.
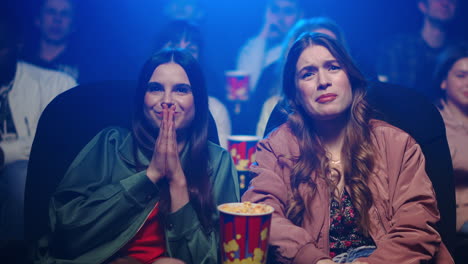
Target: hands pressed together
165	163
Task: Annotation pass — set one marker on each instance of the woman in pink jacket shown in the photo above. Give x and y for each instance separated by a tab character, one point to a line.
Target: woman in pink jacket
345	188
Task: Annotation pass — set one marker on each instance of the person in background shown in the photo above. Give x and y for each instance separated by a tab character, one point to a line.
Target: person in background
345	187
53	49
187	35
269	84
192	10
451	79
265	48
409	59
148	195
25	90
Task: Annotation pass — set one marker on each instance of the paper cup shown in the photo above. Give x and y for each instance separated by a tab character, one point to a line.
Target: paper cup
244	236
242	149
237	85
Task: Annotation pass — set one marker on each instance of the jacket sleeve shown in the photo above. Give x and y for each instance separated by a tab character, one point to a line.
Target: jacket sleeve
412	236
97	200
292	244
187	239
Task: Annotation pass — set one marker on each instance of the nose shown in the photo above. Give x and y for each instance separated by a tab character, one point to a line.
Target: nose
168	104
57	19
167	100
323	80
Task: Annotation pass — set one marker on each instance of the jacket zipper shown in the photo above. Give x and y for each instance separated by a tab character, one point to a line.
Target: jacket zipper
126	241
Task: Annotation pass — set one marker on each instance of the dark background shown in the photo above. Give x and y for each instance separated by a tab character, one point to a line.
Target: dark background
115	36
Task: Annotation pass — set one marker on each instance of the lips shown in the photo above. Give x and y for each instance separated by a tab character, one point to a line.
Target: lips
325	98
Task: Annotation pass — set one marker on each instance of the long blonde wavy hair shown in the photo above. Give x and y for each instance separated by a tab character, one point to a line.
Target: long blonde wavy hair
357	154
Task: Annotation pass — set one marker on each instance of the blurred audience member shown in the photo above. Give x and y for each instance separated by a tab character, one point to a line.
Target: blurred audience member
187	35
192	10
55	23
265	48
409	59
452	81
270	82
25	90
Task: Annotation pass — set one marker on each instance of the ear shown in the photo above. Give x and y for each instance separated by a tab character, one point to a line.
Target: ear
443	85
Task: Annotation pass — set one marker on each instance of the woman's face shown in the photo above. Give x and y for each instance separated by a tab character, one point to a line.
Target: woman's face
169	84
456	83
323	86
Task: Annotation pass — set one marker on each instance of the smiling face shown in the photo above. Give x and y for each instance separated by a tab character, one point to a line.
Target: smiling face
456	84
323	87
169	84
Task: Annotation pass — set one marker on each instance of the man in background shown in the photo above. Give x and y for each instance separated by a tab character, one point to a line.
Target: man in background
191	10
265	48
409	60
25	90
55	22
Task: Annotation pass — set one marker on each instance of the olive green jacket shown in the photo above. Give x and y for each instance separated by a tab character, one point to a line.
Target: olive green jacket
103	201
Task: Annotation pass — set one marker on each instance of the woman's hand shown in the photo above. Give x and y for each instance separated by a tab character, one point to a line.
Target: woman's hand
165	162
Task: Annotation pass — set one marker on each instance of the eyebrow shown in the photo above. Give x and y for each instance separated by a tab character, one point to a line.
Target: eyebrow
331	61
157	84
312	67
154	84
186	85
307	68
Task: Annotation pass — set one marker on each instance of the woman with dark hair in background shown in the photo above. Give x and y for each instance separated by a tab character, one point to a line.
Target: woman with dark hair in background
451	80
345	188
143	195
186	35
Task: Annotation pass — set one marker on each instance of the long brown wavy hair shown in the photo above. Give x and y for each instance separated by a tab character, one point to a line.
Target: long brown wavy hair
357	154
195	167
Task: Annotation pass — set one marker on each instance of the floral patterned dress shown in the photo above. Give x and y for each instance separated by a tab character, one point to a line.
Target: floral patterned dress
344	230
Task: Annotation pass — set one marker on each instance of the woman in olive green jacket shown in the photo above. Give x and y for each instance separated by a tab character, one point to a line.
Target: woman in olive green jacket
148	195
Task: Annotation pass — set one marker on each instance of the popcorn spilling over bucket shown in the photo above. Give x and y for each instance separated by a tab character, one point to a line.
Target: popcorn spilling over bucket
244	230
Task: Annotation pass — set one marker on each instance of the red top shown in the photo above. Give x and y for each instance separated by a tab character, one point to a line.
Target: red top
148	244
